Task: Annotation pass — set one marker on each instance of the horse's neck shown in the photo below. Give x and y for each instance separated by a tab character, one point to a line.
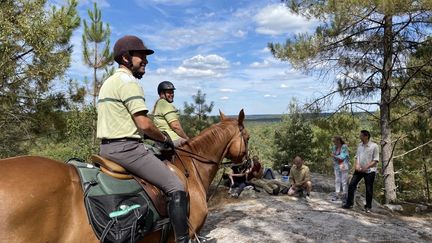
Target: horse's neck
211	145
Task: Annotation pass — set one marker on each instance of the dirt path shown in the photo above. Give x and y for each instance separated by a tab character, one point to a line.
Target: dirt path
258	217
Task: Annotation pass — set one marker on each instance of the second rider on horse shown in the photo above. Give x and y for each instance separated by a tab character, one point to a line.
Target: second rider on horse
166	116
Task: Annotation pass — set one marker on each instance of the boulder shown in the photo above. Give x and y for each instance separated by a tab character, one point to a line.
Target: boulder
393	207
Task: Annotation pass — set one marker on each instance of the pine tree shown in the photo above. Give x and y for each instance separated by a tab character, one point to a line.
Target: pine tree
367	44
98	56
195	117
292	138
34	51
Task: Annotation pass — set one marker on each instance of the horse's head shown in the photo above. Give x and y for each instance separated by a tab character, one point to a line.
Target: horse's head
237	149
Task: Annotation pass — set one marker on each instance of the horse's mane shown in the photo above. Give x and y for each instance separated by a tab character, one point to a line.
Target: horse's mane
212	135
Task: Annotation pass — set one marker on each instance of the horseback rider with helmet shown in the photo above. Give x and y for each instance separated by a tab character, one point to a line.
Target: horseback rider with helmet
166	116
122	121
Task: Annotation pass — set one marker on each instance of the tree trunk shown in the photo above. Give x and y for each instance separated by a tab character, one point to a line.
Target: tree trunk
95	90
427	181
386	145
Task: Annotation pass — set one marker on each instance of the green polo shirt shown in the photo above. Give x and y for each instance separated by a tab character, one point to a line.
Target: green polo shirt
120	97
163	114
298	175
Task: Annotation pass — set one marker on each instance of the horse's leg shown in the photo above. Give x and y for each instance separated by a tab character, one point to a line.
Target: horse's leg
198	206
41	201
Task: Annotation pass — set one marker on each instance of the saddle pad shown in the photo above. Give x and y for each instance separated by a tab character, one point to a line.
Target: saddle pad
115	207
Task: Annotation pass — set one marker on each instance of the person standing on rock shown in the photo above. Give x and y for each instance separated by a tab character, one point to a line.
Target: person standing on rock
341	167
366	161
299	178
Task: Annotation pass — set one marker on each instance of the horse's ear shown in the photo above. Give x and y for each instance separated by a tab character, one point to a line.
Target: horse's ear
241	117
222	115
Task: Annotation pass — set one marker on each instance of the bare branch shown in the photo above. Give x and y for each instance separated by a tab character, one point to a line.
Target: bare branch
418	69
410	111
409	151
22	54
371	114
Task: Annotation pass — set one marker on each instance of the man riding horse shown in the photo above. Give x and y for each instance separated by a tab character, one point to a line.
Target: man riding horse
122	121
166	116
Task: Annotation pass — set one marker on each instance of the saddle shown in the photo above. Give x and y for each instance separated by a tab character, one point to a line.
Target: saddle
115	170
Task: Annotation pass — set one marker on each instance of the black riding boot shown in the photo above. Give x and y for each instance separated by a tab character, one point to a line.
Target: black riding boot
177	211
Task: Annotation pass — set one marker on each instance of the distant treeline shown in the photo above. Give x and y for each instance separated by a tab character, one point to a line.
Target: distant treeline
278	117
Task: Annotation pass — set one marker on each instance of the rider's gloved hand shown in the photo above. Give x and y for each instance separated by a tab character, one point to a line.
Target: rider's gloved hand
168	143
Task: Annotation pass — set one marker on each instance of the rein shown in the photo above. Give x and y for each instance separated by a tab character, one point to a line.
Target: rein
202	159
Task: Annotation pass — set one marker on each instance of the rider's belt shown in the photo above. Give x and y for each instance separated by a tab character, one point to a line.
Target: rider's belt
108	141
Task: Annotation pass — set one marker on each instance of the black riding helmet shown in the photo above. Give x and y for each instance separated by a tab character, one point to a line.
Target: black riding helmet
165	85
129	43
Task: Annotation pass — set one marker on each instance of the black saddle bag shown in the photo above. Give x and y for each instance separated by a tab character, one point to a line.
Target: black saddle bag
119	218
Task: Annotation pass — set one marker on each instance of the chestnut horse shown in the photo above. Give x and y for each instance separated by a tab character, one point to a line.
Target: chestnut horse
41	200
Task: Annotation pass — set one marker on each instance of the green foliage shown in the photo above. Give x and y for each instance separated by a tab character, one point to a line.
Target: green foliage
77	141
195	117
99	56
34	50
414	131
261	142
341	124
368	45
292	138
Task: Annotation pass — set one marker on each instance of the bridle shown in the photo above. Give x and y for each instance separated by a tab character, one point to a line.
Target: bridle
196	157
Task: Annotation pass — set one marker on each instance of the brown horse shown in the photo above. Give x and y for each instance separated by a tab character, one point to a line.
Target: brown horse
41	200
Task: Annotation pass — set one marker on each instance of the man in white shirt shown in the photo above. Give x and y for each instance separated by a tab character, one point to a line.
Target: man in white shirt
366	161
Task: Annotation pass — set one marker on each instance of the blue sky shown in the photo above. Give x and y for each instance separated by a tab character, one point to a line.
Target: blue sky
218	46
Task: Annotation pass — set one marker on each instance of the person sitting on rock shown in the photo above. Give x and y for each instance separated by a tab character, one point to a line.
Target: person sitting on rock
255	178
299	178
238	180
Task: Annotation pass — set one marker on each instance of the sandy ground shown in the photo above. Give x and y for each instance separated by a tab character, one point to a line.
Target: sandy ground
259	217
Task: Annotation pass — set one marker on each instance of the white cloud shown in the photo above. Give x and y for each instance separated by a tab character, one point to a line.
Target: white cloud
200	66
276	19
206	62
162	2
262	64
185	36
183	72
240	33
270	96
161	71
197	67
100	3
269	61
284	86
265	50
226	90
224	98
204	30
